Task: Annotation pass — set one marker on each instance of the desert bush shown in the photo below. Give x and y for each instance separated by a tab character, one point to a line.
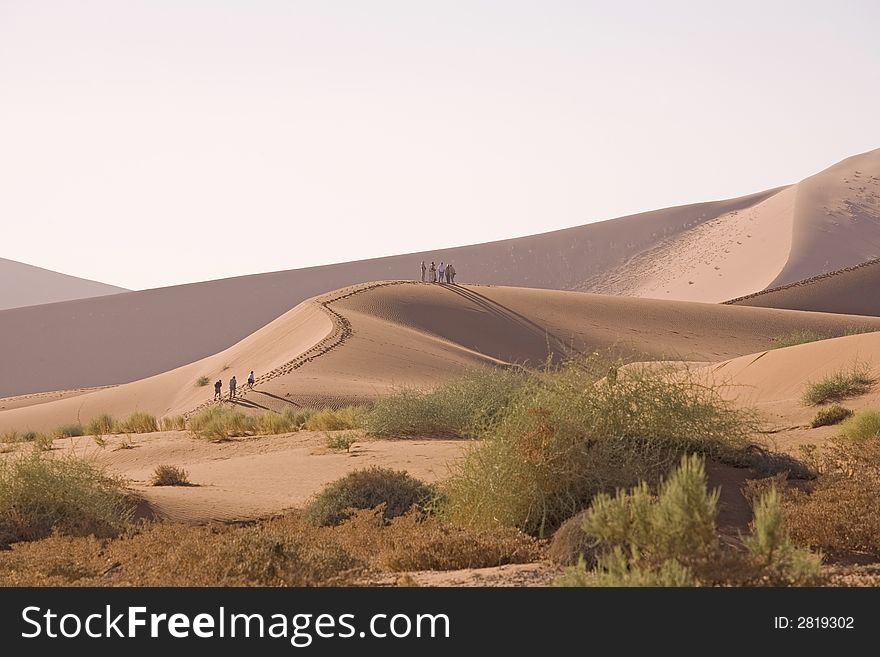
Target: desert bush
11	436
202	381
43	442
837	512
862	427
571	543
220	423
367	489
169	475
138	422
71	430
839	385
340	441
39	495
566	436
798	337
174	423
464	407
669	539
298	418
29	436
274	423
831	415
101	425
328	419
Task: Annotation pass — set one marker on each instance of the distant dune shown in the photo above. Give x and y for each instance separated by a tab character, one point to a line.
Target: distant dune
357	343
706	252
26	285
850	290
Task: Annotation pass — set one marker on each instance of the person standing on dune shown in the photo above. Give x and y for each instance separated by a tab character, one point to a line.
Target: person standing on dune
218	389
232	385
251	380
452	275
449	270
423	271
433	273
442	271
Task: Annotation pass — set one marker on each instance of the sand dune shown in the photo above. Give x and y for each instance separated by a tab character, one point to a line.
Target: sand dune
848	291
26	285
357	343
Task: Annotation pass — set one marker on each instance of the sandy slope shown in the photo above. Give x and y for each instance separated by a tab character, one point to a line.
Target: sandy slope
26	285
357	343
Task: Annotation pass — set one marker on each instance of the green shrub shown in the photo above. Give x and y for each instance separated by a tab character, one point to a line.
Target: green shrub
71	430
174	423
670	539
39	495
101	425
169	475
368	489
220	423
274	423
340	441
202	381
862	426
838	386
349	417
798	337
831	415
138	422
566	436
464	407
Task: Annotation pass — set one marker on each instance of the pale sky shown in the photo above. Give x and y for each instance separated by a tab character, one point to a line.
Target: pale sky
154	142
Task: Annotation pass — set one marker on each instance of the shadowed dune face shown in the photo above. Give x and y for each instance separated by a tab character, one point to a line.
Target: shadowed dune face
358	343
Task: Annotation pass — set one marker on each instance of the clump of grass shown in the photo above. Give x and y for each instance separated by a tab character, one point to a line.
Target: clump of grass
39	495
43	442
170	475
221	423
71	430
839	385
11	436
862	427
569	434
298	418
340	441
174	423
831	415
274	423
669	539
202	381
138	422
859	330
328	419
29	436
571	543
101	425
798	337
396	491
464	407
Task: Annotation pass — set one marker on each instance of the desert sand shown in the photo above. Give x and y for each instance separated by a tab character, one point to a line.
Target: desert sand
707	252
26	285
358	343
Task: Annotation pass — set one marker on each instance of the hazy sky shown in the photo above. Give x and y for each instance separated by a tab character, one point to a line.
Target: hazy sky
153	142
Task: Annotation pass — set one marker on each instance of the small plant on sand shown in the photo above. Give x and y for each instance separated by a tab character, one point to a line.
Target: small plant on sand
39	495
202	381
169	475
367	489
831	415
839	385
669	539
138	422
862	427
43	442
71	430
101	425
340	441
329	419
173	423
100	441
798	337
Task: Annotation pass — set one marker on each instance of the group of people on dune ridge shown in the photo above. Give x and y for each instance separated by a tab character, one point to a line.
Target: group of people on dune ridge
233	384
445	273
